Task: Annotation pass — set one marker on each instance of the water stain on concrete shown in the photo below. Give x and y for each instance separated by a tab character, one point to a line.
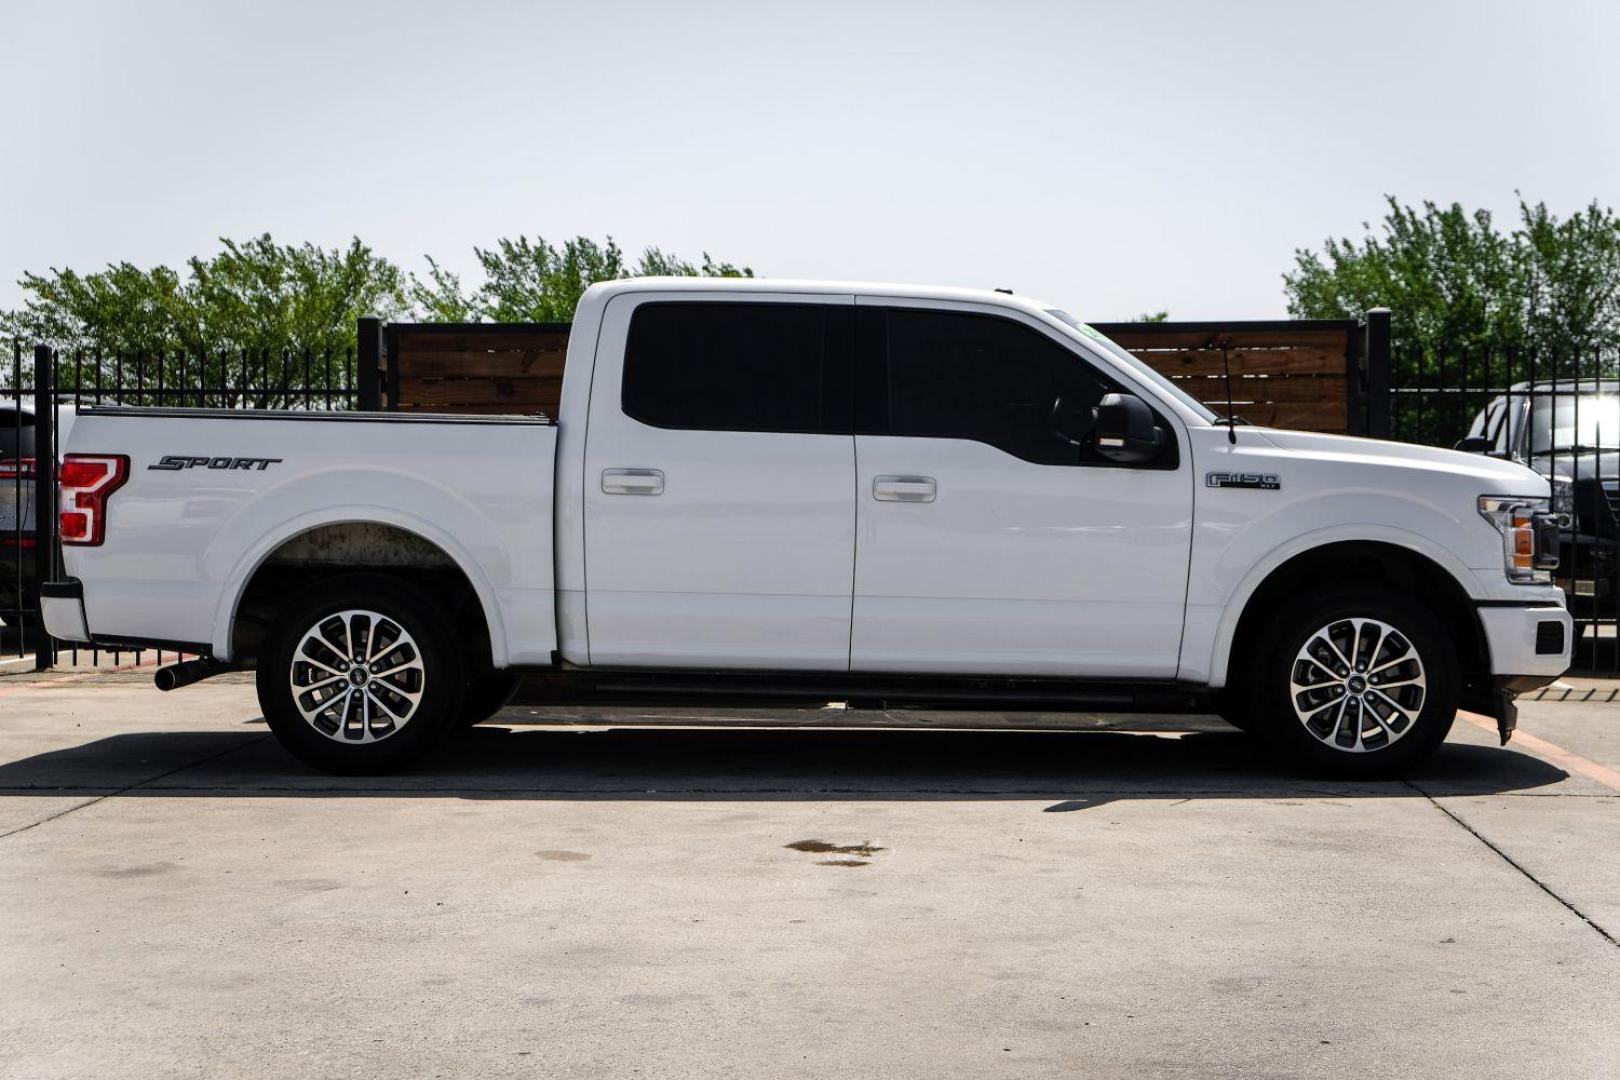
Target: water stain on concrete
562	856
139	871
650	1001
823	847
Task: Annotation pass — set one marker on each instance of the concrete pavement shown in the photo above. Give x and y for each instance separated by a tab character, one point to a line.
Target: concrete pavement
178	898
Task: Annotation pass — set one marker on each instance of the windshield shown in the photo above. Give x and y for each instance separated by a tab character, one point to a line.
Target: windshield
1568	421
1144	370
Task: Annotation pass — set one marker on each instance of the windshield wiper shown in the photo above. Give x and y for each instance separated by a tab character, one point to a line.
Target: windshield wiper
1226	421
1574	448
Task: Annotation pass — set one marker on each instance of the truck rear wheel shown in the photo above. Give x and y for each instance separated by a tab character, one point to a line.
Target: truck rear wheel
359	678
1355	681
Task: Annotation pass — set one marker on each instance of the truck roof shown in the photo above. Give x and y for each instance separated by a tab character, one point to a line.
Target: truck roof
794	285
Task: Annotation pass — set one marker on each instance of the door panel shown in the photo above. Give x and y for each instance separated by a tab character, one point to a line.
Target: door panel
999	564
719	548
1015	568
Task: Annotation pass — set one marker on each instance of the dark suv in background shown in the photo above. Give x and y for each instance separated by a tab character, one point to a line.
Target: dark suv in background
1568	430
16	514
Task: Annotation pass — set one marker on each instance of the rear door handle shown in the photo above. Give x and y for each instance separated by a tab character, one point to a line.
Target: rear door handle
912	489
632	481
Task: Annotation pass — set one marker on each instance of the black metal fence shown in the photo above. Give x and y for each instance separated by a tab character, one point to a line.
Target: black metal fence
1557	413
39	394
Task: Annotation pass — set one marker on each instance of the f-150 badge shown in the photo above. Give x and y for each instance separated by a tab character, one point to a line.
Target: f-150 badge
176	462
1258	481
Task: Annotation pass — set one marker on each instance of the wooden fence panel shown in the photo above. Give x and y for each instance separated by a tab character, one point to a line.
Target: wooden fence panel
1291	374
490	368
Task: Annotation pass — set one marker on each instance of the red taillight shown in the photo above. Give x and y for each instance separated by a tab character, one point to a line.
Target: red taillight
86	480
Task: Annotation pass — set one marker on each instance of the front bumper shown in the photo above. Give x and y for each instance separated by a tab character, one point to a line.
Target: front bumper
1529	644
1527	638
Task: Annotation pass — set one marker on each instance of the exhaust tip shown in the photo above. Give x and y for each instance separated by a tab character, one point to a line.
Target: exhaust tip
187	672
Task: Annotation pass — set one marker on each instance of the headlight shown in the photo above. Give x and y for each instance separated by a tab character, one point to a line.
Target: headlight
1563	499
1514	516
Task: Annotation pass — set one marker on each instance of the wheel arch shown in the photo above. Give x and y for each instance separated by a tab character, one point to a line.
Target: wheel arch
1350	561
322	545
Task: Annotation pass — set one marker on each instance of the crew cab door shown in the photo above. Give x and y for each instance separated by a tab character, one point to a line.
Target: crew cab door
719	482
991	537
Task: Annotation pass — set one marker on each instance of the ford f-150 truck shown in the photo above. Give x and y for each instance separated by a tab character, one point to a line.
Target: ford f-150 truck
818	492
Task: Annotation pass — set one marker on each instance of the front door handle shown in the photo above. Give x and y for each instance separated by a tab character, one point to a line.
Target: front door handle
632	481
912	489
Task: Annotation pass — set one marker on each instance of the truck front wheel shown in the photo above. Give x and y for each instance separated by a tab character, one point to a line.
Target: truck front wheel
1355	681
360	677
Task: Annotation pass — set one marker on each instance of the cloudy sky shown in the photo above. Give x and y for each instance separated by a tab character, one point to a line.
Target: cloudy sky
1111	157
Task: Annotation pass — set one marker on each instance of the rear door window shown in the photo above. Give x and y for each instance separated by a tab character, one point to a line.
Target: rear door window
756	366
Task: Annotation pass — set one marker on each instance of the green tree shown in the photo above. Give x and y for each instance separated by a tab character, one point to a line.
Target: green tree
1460	289
262	296
533	280
441	298
256	302
255	295
1471	303
656	263
1572	280
120	309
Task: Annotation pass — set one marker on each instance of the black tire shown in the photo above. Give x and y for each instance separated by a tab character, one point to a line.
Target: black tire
486	694
1392	740
1234	705
388	746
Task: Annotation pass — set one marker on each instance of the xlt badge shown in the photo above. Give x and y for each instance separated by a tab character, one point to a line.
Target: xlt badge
1258	481
176	462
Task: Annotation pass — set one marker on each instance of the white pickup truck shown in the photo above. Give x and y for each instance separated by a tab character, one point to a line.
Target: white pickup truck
818	492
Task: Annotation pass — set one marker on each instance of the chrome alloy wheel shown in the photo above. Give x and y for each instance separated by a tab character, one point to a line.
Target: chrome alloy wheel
1358	685
357	676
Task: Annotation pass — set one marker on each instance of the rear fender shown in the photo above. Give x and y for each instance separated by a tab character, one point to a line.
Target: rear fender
417	507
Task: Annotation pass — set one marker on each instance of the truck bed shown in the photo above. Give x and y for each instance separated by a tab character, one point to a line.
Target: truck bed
212	495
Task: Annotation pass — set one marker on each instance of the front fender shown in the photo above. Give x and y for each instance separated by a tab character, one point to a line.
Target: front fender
1213	654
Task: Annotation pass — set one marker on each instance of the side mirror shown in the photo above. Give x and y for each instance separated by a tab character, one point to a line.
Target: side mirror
1474	444
1126	431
